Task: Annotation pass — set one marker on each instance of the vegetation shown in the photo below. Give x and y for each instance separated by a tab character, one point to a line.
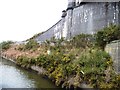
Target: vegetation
36	35
107	35
83	40
31	44
82	60
66	69
6	45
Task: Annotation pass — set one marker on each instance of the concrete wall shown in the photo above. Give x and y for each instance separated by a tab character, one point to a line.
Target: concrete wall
114	50
90	17
85	18
54	31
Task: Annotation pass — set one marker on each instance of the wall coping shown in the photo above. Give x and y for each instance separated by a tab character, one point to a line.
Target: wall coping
115	41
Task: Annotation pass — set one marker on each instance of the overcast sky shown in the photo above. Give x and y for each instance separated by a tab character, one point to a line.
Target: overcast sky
21	19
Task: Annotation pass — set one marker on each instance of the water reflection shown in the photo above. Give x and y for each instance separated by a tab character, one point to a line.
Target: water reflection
12	76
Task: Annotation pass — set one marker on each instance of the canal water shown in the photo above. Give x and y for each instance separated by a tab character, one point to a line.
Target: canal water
12	76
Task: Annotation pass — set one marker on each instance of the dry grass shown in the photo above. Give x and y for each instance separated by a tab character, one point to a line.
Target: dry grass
13	52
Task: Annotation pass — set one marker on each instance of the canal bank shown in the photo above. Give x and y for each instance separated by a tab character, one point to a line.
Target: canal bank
16	77
37	69
69	63
13	76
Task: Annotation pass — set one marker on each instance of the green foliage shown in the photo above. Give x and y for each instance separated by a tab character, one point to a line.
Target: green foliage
6	45
107	35
114	83
83	40
89	65
24	61
92	64
31	44
57	42
94	60
42	61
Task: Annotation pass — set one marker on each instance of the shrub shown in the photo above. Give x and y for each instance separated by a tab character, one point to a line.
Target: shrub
82	40
6	45
94	60
32	44
107	35
23	61
89	65
42	61
92	64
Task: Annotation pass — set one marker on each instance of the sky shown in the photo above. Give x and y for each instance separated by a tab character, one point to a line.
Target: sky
21	19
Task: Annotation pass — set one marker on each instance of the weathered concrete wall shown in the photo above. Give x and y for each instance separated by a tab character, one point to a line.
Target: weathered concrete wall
90	17
86	18
114	50
54	31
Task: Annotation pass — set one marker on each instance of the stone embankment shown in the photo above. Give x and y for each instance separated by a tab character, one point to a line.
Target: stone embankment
8	58
36	68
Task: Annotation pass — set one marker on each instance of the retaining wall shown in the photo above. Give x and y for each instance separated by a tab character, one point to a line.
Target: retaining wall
86	18
91	17
54	31
114	50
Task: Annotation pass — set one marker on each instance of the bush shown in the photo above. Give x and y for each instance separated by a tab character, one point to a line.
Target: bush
6	45
107	35
92	64
42	61
32	44
24	61
94	60
80	63
82	40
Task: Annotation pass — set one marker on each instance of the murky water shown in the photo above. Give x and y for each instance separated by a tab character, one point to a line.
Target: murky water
12	76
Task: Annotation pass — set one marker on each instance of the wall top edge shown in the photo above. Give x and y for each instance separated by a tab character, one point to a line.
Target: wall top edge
99	0
115	41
